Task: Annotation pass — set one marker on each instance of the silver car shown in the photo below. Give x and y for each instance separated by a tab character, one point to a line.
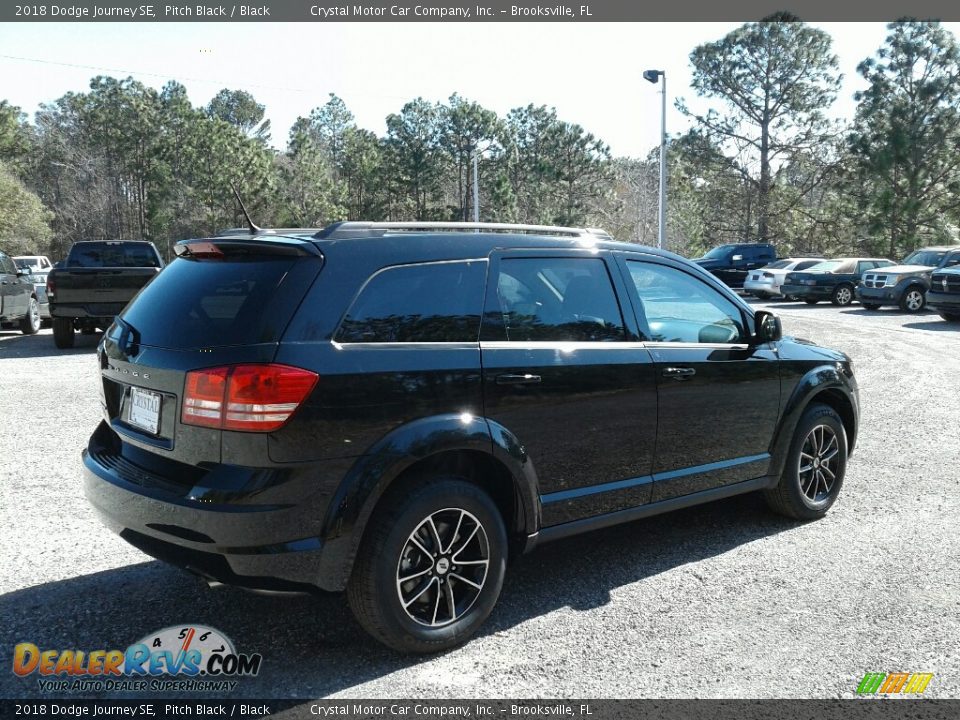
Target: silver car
766	281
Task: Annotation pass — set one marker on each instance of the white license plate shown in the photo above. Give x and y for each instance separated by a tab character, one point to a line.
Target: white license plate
145	410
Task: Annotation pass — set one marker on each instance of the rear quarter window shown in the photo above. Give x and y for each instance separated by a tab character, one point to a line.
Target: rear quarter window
427	302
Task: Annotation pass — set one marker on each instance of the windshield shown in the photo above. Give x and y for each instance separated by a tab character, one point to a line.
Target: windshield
825	266
24	264
932	258
719	252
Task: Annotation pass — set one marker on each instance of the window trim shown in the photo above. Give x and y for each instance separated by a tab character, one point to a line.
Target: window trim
746	314
491	301
395	343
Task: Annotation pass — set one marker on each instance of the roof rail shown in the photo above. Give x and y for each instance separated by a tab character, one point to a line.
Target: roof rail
376	229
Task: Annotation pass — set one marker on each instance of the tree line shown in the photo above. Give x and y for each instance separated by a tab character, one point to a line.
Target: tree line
762	162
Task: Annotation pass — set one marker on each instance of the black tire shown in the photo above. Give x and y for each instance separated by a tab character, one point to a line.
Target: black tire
795	495
913	300
811	301
842	295
30	323
870	306
377	598
63	332
950	317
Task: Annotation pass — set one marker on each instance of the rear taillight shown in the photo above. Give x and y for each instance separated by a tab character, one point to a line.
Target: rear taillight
255	398
51	287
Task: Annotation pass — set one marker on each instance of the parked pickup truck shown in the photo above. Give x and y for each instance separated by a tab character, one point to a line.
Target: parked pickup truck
95	283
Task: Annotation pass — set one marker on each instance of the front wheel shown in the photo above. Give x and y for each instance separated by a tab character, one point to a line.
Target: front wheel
63	332
430	566
30	323
815	466
913	300
842	295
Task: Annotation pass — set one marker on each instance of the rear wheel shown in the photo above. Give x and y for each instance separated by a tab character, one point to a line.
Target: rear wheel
842	295
816	463
63	332
31	321
913	299
430	566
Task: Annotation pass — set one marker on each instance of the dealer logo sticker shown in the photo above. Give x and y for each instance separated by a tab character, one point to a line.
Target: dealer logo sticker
181	657
897	683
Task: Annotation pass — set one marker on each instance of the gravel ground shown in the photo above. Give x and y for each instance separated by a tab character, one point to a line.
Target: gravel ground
725	600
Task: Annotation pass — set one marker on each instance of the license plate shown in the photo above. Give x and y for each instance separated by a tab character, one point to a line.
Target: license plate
145	410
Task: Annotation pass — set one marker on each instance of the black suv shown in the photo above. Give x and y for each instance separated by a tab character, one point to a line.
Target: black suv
731	263
395	409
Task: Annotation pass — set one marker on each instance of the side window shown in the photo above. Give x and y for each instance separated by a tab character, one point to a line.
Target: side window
429	302
952	260
556	299
680	308
806	263
7	264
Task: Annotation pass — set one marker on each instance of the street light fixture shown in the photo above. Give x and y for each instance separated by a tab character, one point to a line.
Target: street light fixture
652	76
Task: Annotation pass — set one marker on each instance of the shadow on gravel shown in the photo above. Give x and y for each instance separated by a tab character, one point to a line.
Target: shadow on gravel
939	326
16	345
312	647
887	312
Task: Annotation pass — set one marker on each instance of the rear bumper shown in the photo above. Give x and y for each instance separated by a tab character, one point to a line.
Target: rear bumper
95	311
229	535
761	287
948	302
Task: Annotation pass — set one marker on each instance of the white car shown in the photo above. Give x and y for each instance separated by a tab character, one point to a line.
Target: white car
765	282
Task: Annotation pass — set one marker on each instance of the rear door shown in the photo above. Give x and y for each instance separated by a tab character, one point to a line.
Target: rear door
719	397
565	373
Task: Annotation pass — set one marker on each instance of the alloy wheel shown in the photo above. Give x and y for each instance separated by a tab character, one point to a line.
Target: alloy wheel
818	463
443	567
913	300
844	296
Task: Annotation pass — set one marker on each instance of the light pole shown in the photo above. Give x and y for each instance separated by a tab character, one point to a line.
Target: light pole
651	76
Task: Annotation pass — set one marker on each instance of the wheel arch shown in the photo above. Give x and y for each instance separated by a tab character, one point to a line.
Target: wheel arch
823	384
474	448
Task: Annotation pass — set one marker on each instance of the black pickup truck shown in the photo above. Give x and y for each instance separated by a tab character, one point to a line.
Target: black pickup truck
96	282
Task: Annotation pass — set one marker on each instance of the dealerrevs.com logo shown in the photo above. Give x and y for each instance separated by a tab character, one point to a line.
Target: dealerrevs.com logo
896	683
179	658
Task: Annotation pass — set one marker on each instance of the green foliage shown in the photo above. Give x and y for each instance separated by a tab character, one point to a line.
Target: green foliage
24	221
906	138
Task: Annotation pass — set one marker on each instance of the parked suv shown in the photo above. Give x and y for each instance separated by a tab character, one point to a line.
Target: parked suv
18	298
906	284
731	263
396	409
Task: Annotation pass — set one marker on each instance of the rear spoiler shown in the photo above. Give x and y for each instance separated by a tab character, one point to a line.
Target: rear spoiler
218	247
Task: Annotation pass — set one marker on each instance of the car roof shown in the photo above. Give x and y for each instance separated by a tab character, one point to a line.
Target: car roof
461	240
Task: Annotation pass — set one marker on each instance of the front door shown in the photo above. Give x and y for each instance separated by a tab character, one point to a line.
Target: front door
564	372
719	396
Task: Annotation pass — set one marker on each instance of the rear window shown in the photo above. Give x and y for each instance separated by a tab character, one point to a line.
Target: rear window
107	254
209	303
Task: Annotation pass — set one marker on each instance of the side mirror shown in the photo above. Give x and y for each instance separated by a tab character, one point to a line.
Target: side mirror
768	327
736	258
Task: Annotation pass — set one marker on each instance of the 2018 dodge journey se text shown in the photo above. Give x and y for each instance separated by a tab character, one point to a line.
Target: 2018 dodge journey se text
395	409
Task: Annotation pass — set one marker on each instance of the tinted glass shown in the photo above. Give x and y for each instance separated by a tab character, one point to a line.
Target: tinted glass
778	265
207	303
430	302
112	255
804	264
676	307
825	266
557	299
719	252
7	265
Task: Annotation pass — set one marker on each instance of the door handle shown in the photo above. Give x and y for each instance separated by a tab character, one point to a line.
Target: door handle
679	373
518	379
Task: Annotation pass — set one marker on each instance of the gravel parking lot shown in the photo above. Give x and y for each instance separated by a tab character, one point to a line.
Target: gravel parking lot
725	600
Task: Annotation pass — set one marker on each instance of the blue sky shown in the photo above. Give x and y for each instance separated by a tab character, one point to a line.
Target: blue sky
589	71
